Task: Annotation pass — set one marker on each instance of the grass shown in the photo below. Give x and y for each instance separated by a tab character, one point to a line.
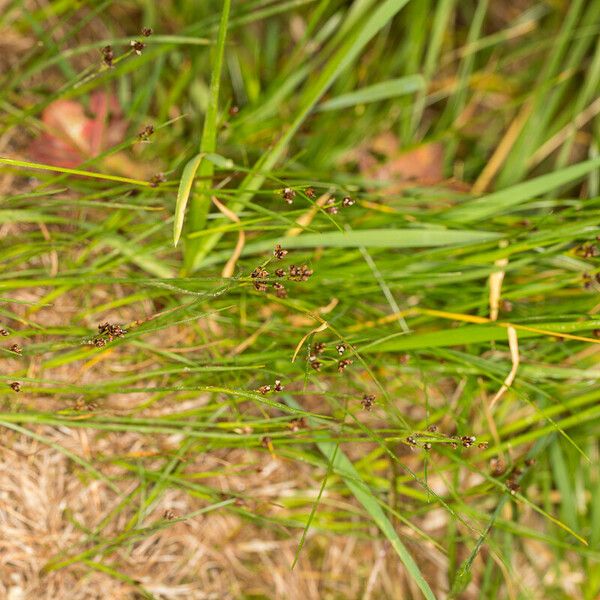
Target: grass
467	303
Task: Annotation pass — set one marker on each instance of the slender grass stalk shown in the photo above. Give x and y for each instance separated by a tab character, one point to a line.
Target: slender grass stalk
200	203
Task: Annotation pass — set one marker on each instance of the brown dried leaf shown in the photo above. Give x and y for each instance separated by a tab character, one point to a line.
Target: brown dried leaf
383	160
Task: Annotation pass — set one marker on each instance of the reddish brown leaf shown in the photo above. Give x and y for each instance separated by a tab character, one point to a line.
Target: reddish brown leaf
71	136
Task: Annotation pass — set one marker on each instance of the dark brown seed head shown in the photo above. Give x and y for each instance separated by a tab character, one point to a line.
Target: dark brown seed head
107	55
497	466
264	389
265	442
111	330
279	252
280	273
432	428
427	445
301	273
4	333
146	133
513	486
467	440
310	193
296	424
147	31
137	46
259	273
260	286
278	387
16	386
117	331
588	251
347	201
367	401
343	364
411	440
169	514
16	349
315	364
332	210
288	194
157	179
483	445
319	348
340	349
234	110
453	445
280	290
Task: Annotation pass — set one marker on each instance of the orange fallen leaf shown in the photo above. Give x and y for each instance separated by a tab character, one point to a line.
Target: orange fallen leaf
382	159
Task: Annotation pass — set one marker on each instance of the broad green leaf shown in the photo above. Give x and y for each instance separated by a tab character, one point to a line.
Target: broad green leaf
469	334
367	238
183	194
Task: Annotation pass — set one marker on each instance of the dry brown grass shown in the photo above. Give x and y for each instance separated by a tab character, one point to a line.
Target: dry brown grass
46	504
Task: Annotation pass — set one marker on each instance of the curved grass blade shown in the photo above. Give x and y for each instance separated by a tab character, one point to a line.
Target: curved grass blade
183	194
185	186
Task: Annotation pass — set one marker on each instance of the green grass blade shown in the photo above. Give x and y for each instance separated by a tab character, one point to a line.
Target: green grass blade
381	238
342	465
12	162
501	201
367	238
469	334
373	93
201	201
348	52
